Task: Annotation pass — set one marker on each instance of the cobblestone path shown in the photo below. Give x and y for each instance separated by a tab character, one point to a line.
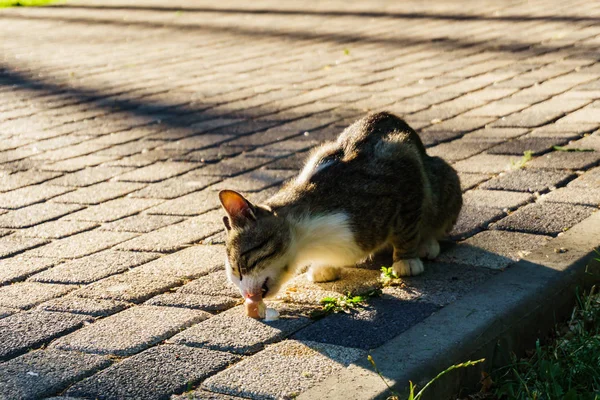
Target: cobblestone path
120	120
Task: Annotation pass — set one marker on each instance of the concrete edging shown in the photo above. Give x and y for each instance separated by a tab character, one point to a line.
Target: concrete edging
507	313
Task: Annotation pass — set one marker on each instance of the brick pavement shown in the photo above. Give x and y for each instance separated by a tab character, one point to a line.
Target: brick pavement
119	121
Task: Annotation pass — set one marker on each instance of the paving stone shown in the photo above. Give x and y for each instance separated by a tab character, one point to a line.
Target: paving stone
176	236
569	132
191	204
89	176
474	219
431	138
81	244
72	151
529	180
379	321
141	223
295	162
26	330
114	209
591	179
57	229
135	286
494	249
497	109
25	178
458	149
18	268
584	115
40	373
495	134
233	331
78	163
143	159
501	199
444	283
86	306
536	145
99	193
487	164
25	295
235	165
213	154
461	124
194	301
198	142
590	142
283	370
189	263
566	160
154	374
469	181
36	214
533	218
541	113
254	181
285	147
571	195
94	267
178	186
5	312
157	172
130	331
11	244
213	284
30	195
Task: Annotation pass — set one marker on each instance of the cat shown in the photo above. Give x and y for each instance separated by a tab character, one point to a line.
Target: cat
373	187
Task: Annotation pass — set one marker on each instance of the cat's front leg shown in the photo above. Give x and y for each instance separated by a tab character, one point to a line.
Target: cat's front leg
323	273
406	263
408	267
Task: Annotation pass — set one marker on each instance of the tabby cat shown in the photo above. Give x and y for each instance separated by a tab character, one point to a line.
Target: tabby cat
373	187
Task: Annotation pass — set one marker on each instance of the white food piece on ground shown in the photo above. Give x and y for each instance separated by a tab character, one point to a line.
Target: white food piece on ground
271	314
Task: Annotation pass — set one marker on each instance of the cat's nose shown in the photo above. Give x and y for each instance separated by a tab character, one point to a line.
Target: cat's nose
253	297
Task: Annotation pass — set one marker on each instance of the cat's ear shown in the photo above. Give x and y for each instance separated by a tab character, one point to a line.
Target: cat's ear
239	210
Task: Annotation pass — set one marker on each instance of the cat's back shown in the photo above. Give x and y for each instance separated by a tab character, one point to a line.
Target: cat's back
378	132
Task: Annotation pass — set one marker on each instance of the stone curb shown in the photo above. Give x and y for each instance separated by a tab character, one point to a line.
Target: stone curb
506	314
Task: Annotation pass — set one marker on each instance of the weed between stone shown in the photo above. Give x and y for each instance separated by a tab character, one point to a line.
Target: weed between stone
342	304
24	3
527	156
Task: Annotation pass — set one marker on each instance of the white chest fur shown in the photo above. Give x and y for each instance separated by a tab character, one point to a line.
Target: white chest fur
326	240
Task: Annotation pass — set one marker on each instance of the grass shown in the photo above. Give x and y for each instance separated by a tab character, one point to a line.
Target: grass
411	395
568	368
24	3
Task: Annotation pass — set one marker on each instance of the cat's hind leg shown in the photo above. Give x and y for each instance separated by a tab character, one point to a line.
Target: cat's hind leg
323	273
429	248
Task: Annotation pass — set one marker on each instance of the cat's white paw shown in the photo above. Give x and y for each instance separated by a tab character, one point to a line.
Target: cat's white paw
408	267
323	273
429	249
